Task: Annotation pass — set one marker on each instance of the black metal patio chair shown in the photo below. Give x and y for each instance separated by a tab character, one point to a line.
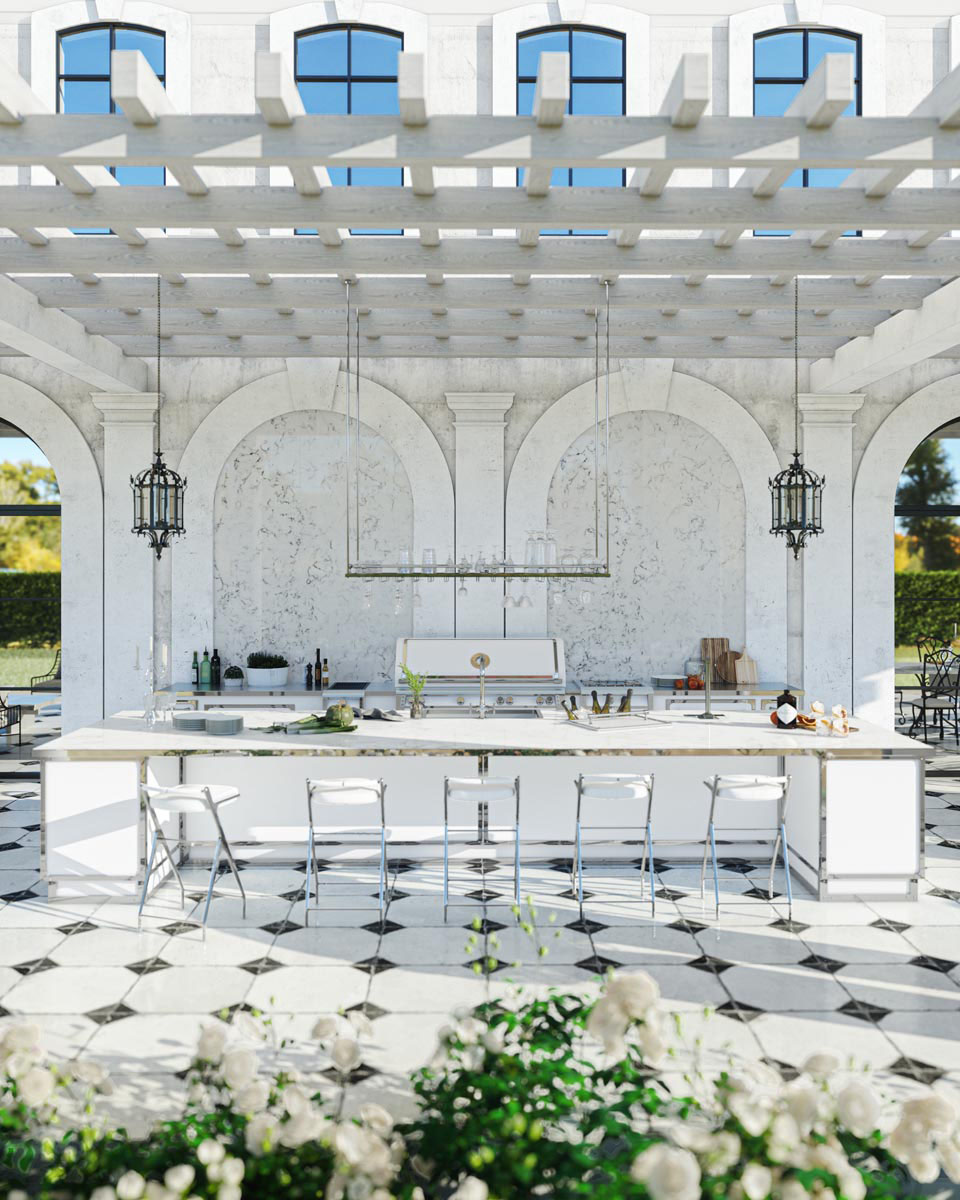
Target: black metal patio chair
50	682
939	701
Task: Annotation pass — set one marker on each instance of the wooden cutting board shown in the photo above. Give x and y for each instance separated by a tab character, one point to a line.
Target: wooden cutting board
746	669
715	648
727	666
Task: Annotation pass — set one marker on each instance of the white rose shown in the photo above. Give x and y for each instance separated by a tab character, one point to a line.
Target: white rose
156	1191
793	1189
103	1193
723	1151
495	1039
851	1183
325	1028
752	1111
858	1109
668	1173
949	1152
210	1151
130	1186
36	1087
376	1117
232	1171
470	1030
608	1023
352	1142
471	1188
21	1037
251	1026
634	993
19	1063
180	1178
229	1191
261	1133
253	1097
88	1072
935	1111
756	1181
652	1046
362	1025
237	1068
306	1126
908	1140
924	1167
211	1044
295	1100
784	1137
803	1103
345	1053
821	1066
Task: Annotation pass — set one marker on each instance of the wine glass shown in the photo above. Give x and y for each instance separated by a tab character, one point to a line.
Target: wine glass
405	560
508	600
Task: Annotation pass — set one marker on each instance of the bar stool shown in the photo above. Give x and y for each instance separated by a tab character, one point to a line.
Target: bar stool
479	794
189	799
635	790
753	789
351	792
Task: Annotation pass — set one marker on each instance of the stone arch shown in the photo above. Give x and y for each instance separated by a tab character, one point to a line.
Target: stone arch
318	384
652	385
81	492
874	492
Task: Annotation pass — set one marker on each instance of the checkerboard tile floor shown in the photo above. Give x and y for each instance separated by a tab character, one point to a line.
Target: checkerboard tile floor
876	981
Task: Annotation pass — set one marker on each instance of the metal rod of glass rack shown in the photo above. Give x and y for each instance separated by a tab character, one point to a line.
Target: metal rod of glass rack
606	433
346	426
356	476
596	433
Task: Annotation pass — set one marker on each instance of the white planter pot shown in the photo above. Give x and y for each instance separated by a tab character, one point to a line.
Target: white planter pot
233	683
267	677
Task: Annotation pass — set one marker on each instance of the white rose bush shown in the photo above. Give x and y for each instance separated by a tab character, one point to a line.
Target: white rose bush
558	1096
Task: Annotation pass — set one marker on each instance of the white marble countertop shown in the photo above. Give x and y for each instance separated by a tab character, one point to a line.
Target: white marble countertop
125	735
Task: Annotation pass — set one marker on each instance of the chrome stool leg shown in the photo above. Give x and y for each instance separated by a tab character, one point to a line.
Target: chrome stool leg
716	873
224	842
309	879
146	878
213	876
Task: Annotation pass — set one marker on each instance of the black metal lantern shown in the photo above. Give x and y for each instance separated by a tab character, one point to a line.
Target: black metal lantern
796	494
158	491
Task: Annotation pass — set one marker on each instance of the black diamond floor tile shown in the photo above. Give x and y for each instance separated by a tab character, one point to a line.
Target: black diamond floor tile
30	828
786	1071
944	893
357	1075
944	965
585	925
564	865
175	928
484	894
890	926
572	894
684	925
483	866
278	927
707	962
665	893
910	1068
260	966
487	964
789	925
382	927
597	964
370	1011
10	846
34	966
820	962
375	964
739	1011
400	866
148	966
23	894
229	1011
397	894
864	1011
763	893
110	1013
77	927
484	925
739	866
293	895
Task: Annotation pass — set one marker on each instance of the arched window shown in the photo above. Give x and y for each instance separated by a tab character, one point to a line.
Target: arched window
83	79
598	79
783	60
350	69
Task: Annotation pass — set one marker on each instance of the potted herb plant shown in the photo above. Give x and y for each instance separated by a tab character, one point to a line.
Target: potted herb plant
267	670
233	677
416	684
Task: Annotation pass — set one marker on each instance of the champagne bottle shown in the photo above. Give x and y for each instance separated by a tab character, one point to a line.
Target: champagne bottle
195	670
596	701
205	671
215	670
606	703
309	677
625	701
786	712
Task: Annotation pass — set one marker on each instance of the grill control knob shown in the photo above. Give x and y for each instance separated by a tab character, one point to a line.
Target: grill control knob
509	699
460	700
500	700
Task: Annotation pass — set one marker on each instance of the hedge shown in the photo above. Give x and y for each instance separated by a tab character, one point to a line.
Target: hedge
926	603
29	608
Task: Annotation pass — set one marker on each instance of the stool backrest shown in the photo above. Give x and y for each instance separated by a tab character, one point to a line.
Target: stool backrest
354	792
492	790
177	799
620	795
751	788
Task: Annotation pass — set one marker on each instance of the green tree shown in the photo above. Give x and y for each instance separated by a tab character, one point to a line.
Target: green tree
29	543
927	479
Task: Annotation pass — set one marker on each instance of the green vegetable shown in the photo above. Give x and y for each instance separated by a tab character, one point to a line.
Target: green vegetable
266	662
340	715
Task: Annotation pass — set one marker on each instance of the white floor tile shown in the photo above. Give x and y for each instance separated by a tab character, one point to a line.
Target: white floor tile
310	989
858	944
783	988
189	989
793	1037
217	947
928	1037
70	990
27	945
157	1042
900	987
650	944
426	989
320	946
109	947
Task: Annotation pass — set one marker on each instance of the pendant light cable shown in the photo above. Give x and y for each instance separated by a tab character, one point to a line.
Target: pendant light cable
158	362
796	366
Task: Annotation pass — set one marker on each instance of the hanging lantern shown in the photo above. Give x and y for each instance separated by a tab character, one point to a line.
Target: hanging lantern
158	491
796	494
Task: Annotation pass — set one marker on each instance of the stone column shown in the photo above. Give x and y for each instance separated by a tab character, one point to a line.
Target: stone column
827	560
479	423
129	422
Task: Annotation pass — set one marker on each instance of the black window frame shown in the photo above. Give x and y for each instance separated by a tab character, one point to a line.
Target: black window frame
570	30
760	80
349	79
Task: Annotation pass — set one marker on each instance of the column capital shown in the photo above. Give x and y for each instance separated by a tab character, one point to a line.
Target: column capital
479	408
127	408
824	408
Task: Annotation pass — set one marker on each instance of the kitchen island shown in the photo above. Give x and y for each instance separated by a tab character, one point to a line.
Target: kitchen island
855	815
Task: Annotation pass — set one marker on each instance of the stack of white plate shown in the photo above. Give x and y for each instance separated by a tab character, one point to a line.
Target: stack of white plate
195	722
222	724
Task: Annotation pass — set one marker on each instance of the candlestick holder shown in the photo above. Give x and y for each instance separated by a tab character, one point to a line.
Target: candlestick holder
708	714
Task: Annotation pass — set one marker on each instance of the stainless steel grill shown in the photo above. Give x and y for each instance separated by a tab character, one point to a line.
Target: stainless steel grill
524	673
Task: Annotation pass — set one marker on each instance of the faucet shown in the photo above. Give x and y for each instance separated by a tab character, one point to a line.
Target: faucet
481	661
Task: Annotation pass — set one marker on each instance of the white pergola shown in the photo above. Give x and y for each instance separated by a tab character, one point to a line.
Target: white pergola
472	276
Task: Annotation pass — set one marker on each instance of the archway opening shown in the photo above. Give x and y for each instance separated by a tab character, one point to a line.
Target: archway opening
30	564
926	559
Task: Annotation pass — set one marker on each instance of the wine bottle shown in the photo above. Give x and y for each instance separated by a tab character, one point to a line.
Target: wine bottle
309	677
596	701
326	675
625	701
606	703
786	711
205	671
215	670
318	672
195	670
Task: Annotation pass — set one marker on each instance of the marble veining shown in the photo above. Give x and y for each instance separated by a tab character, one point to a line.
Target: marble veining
676	548
280	547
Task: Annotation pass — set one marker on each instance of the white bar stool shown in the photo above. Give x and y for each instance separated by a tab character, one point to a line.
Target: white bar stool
354	792
753	789
636	791
181	799
480	794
